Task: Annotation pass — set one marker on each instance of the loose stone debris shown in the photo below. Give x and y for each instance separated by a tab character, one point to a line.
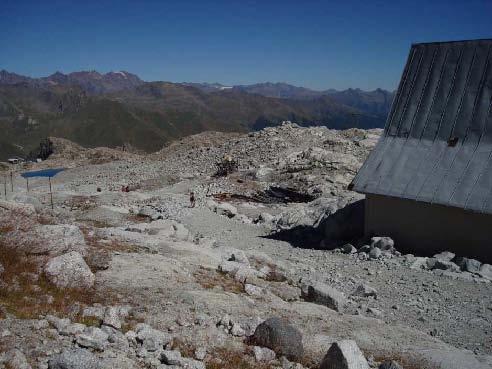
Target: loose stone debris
268	270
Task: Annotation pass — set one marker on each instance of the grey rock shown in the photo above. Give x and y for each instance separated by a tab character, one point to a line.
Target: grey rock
2	269
266	218
93	338
149	212
245	273
344	355
364	248
280	336
363	256
390	364
383	243
150	338
57	323
375	253
375	312
430	263
112	317
72	329
187	363
181	232
57	239
40	324
25	209
468	265
253	290
69	271
118	361
239	257
200	353
15	359
322	294
348	249
74	359
225	321
99	260
115	337
223	208
169	357
446	265
285	291
229	267
237	330
363	290
263	354
445	256
419	263
486	271
96	311
263	172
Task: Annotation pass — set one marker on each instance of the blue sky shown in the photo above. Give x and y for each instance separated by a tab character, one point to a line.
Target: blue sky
317	44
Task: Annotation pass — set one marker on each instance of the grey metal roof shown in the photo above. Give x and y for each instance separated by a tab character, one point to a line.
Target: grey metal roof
437	143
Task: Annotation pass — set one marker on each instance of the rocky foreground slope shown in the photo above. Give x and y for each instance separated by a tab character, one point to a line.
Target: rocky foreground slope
251	277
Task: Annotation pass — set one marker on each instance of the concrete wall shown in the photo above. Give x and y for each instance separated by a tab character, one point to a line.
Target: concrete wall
425	229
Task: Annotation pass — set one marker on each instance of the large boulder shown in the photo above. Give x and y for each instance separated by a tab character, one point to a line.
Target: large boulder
94	338
344	355
57	239
322	294
445	256
468	265
15	359
383	243
69	271
443	264
486	271
74	359
151	339
280	336
375	253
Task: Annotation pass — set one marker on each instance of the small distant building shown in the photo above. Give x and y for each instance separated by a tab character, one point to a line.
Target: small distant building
428	182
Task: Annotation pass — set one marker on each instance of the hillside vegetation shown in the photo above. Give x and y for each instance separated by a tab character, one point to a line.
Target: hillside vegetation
119	109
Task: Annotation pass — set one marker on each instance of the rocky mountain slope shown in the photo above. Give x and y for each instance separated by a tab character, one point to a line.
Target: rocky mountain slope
118	108
140	279
371	102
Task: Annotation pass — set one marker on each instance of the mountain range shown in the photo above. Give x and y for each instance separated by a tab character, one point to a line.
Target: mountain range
118	108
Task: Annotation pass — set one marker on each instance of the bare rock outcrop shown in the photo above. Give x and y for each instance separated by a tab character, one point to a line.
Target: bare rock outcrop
69	271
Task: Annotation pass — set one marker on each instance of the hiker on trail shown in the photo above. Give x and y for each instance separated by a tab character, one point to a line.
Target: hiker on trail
192	199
